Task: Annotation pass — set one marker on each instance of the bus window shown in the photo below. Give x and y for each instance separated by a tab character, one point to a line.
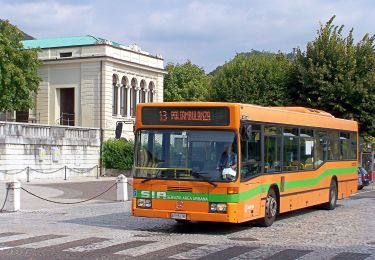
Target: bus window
345	145
353	147
307	146
272	149
178	150
290	149
149	153
333	145
186	154
320	148
251	155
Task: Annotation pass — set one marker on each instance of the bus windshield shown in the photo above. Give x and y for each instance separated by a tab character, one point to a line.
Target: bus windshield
201	155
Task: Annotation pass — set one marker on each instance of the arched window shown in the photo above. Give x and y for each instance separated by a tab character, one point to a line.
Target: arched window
142	94
133	97
151	92
115	82
124	96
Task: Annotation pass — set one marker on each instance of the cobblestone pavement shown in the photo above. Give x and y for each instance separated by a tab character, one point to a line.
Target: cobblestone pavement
107	231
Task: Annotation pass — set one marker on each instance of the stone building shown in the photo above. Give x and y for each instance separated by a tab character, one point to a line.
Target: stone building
91	82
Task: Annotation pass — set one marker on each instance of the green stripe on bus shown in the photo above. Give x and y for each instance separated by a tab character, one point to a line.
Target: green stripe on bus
312	182
242	196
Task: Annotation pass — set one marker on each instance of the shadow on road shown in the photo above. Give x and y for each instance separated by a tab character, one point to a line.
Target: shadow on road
301	212
126	222
150	226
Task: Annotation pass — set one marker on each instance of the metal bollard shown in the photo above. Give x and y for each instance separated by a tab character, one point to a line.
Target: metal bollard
65	173
97	171
13	202
122	188
28	173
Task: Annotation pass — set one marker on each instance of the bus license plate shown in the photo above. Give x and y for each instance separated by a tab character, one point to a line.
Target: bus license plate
178	215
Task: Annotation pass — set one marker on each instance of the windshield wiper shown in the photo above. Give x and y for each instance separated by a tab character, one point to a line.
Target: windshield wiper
146	180
199	174
149	179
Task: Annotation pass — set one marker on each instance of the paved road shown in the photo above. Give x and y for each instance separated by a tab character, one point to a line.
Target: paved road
107	231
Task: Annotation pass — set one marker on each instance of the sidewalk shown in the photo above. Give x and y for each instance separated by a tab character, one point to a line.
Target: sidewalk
370	187
71	190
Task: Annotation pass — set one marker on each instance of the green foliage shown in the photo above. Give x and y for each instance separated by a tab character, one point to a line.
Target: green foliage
186	82
338	76
118	154
257	77
368	141
18	70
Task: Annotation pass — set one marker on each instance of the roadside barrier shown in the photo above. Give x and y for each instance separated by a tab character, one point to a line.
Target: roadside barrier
13	188
65	169
15	171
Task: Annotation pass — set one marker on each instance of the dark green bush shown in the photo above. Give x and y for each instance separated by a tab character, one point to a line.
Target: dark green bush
117	154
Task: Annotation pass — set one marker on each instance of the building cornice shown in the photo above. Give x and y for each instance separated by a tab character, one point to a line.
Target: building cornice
104	44
103	58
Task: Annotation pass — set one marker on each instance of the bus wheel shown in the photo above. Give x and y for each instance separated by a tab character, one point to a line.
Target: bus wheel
271	209
331	204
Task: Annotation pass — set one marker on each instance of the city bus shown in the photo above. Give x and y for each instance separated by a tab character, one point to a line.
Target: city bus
231	162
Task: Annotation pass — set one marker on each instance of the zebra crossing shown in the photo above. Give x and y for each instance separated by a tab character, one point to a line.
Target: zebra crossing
14	245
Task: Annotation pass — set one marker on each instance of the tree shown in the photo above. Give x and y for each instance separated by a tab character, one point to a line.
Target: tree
256	77
186	82
19	80
338	76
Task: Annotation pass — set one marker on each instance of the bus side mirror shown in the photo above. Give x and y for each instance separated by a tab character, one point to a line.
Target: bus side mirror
246	132
118	130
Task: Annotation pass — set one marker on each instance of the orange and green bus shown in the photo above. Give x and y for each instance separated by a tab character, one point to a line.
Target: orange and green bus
230	162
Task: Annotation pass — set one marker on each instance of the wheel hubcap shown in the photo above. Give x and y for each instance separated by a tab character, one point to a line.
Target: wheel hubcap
271	207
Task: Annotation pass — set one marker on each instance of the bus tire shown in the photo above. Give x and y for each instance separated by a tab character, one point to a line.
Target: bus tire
271	209
331	204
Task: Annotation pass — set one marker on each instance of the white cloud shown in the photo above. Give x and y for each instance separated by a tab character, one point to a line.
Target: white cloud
38	18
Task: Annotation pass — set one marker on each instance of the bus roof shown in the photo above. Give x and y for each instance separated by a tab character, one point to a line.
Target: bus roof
299	116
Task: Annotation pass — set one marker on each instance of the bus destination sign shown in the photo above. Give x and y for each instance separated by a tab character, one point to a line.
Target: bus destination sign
189	116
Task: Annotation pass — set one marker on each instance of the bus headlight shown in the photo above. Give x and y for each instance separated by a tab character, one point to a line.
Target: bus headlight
144	203
218	207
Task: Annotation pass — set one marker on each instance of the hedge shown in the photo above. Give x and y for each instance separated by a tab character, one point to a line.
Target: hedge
118	154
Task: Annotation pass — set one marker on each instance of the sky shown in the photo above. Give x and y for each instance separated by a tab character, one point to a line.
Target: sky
207	32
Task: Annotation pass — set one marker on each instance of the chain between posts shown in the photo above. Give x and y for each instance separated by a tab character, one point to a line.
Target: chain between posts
29	171
69	203
14	173
82	170
46	172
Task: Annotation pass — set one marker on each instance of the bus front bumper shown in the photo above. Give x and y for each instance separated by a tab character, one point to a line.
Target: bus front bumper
192	216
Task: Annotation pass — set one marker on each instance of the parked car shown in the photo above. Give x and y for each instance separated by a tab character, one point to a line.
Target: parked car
363	178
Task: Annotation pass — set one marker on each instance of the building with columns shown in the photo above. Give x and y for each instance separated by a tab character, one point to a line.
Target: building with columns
91	82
